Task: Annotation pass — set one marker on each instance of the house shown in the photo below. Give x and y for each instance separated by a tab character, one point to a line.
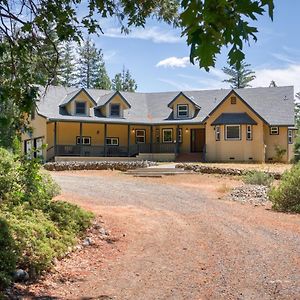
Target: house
210	125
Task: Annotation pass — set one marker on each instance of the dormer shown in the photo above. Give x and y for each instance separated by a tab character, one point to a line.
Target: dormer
183	107
78	103
113	105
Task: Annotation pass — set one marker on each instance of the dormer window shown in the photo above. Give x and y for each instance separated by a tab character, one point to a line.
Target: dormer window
182	110
80	108
115	110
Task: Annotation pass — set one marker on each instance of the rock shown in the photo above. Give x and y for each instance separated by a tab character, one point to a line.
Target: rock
87	242
21	275
98	165
254	194
102	231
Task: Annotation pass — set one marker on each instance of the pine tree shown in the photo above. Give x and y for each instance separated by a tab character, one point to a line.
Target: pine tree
66	71
87	64
102	81
273	83
124	82
240	76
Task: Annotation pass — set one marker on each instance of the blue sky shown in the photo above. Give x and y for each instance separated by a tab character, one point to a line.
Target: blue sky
158	57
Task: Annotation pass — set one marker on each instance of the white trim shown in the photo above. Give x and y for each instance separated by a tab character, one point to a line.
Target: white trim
115	116
168	130
233	139
113	141
86	140
217	133
274	130
186	110
138	135
290	136
85	108
249	131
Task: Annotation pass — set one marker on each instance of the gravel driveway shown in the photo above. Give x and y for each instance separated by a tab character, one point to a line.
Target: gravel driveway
182	242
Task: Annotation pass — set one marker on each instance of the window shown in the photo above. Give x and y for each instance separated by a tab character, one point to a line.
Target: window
182	111
233	100
249	132
233	132
111	141
39	147
115	110
167	135
80	108
290	136
86	140
179	135
157	136
28	148
140	136
217	133
274	130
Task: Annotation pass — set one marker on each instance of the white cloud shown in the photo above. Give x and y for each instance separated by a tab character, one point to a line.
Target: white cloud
154	34
282	76
174	62
179	85
109	55
283	57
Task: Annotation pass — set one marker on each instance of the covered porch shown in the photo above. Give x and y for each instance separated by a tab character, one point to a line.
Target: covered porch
82	139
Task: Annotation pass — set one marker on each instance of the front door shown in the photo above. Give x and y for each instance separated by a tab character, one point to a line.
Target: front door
197	139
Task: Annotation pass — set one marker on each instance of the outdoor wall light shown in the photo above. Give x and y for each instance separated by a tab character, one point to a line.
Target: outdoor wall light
98	131
186	130
133	130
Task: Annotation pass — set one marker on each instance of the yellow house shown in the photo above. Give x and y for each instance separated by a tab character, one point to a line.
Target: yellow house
242	125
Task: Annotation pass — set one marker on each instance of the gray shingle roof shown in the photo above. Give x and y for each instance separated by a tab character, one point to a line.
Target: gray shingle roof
233	118
274	105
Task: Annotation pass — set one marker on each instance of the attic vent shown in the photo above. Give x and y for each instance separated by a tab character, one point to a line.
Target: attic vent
233	100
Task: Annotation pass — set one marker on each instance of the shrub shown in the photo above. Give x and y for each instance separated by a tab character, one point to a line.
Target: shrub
279	153
286	197
34	229
7	256
297	149
258	177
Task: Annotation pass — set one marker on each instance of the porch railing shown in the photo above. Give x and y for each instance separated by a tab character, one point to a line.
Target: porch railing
132	150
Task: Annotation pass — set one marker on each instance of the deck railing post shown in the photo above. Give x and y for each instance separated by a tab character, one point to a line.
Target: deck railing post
81	141
105	135
128	140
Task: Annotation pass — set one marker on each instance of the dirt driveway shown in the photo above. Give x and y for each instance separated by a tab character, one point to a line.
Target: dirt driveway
179	241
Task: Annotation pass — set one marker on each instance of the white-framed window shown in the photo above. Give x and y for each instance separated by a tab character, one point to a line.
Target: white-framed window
86	140
80	108
28	148
218	133
179	137
290	136
140	136
112	141
39	147
249	132
182	110
274	130
233	132
167	135
115	110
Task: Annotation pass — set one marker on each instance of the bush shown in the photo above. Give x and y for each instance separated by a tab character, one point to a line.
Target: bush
258	177
34	229
286	197
279	153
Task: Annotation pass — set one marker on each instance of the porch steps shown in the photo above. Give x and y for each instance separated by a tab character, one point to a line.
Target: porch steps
156	172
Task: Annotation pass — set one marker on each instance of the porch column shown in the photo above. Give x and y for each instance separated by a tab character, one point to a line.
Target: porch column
55	138
80	134
151	138
177	140
105	136
128	140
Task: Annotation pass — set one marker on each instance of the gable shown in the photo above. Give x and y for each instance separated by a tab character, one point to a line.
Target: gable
226	107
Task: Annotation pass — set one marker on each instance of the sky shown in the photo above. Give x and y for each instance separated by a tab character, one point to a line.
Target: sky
158	57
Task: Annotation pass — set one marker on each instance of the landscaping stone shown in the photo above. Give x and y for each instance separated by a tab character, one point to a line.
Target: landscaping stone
224	171
98	165
249	193
87	242
21	275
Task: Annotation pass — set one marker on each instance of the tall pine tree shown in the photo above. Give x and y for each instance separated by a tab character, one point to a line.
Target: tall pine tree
87	64
67	70
240	76
102	80
124	82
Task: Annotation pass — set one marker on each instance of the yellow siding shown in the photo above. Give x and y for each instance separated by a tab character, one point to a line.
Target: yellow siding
39	130
271	141
116	100
183	100
81	97
242	150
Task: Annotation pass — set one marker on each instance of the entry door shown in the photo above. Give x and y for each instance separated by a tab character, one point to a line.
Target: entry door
197	139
